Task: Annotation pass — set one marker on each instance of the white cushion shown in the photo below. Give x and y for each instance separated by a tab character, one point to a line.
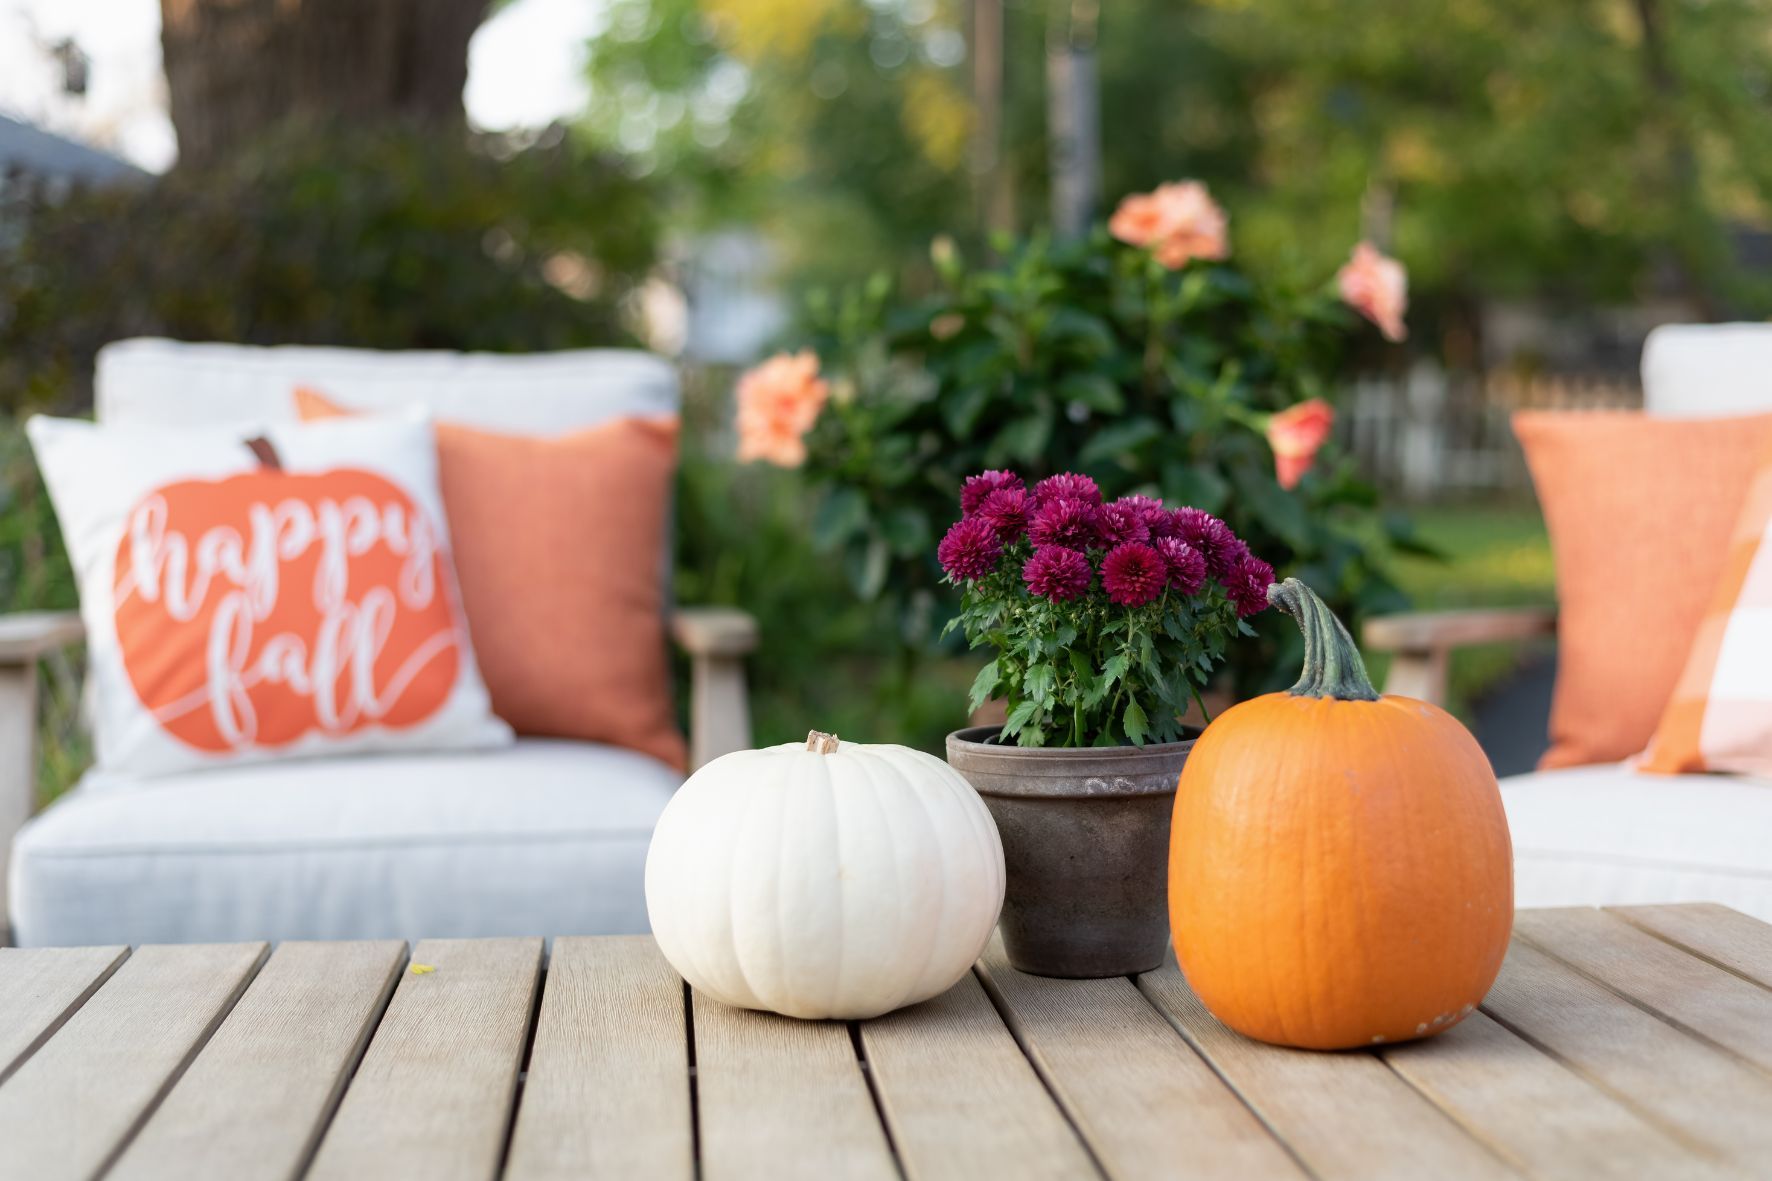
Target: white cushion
1708	370
167	383
1603	836
545	837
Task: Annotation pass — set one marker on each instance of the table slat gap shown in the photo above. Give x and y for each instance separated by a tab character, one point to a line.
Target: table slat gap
117	1056
873	1085
433	1092
1500	1151
30	1021
694	1081
255	1102
1346	1115
517	1091
1679	1084
1013	1025
605	1094
1229	1085
1702	1000
1734	942
1144	1099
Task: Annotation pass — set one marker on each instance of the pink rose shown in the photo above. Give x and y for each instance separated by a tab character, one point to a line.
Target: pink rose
1296	434
778	402
1177	222
1377	287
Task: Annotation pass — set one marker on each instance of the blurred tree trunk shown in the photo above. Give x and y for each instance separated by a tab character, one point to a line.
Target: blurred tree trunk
1073	119
236	67
994	188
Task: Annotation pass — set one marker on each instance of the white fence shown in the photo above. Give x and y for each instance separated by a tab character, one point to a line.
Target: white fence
1432	434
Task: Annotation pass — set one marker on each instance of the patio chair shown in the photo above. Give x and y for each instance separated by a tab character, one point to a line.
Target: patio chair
1605	835
547	836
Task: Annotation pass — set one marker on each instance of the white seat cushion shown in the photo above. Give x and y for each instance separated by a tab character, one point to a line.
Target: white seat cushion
1602	836
545	837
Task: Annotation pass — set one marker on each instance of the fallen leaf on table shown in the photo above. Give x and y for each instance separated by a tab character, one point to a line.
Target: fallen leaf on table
421	969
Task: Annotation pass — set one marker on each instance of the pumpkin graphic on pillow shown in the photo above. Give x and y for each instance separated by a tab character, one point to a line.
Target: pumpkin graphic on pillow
259	608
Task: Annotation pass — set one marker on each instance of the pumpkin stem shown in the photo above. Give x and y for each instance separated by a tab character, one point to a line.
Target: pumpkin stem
1332	664
824	744
265	453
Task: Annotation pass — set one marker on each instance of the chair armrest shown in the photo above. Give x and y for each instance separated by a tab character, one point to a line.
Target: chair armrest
1423	643
25	638
717	639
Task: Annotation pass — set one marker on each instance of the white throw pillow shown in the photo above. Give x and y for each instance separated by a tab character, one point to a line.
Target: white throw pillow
252	595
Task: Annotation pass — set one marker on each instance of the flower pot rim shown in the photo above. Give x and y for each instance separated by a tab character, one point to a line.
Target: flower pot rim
970	739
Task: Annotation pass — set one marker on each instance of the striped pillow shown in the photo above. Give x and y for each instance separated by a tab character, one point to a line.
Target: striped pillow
1720	716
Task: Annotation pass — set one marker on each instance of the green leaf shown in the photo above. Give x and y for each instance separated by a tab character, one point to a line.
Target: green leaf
843	512
1119	439
1116	667
1094	391
906	530
982	684
1019	717
1280	511
1039	682
961	408
1137	725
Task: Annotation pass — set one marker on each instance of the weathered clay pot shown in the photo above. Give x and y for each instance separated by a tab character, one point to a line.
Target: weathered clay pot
1086	844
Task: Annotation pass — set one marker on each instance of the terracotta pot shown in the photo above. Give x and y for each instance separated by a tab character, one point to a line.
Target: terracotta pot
1086	845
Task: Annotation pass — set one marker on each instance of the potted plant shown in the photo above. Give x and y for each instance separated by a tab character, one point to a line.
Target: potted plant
1105	620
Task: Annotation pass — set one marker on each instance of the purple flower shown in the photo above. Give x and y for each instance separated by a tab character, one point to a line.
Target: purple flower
1151	510
970	550
1070	523
1247	586
1133	574
1187	569
1006	510
1068	486
1209	535
976	488
1119	522
1056	573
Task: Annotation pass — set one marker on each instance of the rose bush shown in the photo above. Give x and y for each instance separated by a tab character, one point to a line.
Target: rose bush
1140	355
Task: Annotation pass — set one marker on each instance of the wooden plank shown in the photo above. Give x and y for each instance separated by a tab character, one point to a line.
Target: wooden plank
1737	941
1343	1115
960	1098
432	1097
781	1099
1145	1102
1691	1089
74	1104
1500	1088
1697	996
607	1094
40	987
254	1102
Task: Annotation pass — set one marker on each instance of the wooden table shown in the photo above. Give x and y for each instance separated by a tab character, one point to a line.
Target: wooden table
1628	1043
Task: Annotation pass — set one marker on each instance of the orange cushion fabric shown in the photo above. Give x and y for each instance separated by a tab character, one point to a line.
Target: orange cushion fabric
558	549
1720	718
1640	512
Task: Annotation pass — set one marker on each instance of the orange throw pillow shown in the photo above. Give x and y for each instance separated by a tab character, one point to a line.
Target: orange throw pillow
1640	512
558	547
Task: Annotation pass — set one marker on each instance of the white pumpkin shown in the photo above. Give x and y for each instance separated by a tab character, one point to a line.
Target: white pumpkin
830	880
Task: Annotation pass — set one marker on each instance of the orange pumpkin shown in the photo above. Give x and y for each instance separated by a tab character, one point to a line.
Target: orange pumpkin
259	608
1340	872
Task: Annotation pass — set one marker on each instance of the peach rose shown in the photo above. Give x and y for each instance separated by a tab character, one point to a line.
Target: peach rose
778	402
1377	287
1296	434
1178	221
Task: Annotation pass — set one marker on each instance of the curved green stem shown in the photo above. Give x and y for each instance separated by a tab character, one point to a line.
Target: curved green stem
1332	664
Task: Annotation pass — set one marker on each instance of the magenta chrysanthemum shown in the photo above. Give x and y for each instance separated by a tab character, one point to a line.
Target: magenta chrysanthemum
1133	574
1070	523
1247	586
1068	486
1006	510
970	550
1187	569
1209	535
1150	509
1119	523
976	488
1056	573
